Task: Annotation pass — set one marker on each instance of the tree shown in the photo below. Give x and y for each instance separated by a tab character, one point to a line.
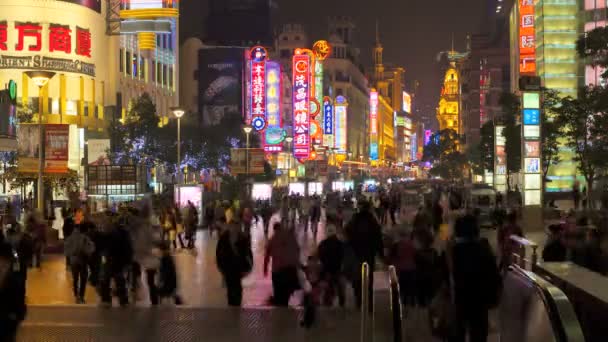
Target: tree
550	132
594	46
512	132
136	139
442	151
582	122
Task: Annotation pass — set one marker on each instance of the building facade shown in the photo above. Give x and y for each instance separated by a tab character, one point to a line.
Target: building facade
448	111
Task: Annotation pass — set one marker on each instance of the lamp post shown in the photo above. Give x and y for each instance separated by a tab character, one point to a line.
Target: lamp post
178	112
40	79
289	140
247	129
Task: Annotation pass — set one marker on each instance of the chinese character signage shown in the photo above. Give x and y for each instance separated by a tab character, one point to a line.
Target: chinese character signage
531	148
373	124
414	148
258	88
41	38
341	110
273	104
527	42
301	106
328	122
56	152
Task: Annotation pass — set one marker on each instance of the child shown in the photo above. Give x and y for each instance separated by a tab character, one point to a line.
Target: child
167	286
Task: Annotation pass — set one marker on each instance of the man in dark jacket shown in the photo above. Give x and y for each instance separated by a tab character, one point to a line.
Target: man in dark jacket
476	280
331	255
78	249
364	235
12	293
116	255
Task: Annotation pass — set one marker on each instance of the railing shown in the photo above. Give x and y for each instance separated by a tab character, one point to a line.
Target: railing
396	307
549	315
519	254
365	329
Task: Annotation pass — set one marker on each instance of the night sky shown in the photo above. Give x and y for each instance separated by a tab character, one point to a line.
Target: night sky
412	32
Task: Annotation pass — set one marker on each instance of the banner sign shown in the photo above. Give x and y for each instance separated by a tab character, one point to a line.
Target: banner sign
527	41
56	152
258	88
273	107
301	106
373	122
341	110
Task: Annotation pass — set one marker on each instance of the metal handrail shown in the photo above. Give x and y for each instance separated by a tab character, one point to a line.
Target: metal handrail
563	317
519	255
396	307
364	301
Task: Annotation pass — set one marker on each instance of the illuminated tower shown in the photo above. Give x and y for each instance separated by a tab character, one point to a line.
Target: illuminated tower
448	112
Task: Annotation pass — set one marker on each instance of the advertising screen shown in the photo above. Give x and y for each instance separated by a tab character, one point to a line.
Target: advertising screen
531	117
220	77
531	100
407	102
531	131
532	165
532	149
56	148
532	182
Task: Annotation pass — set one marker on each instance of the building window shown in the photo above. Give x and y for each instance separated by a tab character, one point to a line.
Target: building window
128	65
170	77
159	73
285	53
164	83
153	70
296	38
121	60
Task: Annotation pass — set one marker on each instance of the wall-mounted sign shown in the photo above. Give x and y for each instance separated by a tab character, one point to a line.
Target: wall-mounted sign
531	131
341	111
328	116
321	49
531	116
532	165
373	124
527	41
301	106
407	102
273	107
427	136
274	137
532	149
258	88
532	182
531	100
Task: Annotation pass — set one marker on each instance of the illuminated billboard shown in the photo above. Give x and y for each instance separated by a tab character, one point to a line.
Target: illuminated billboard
527	41
258	88
407	102
273	141
373	122
301	106
340	111
531	116
328	122
427	136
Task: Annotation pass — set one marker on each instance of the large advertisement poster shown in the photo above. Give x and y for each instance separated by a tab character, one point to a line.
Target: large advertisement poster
28	148
56	152
219	81
8	120
95	5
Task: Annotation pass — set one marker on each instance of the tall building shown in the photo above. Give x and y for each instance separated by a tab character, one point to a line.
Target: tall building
101	53
448	111
344	77
239	23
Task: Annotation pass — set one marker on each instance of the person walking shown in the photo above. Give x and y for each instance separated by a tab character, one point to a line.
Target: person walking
145	241
364	235
78	249
234	260
331	255
506	246
315	216
167	279
116	257
12	292
403	256
191	224
284	251
476	280
37	230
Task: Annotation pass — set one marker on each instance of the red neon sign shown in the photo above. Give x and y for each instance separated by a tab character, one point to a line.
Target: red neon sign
301	106
527	42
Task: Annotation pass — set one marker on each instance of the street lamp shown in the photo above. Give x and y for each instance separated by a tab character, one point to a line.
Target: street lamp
247	129
40	79
289	141
178	112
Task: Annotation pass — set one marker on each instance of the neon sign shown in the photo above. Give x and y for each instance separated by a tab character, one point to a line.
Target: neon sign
527	42
341	124
328	116
373	121
301	106
407	102
273	103
258	87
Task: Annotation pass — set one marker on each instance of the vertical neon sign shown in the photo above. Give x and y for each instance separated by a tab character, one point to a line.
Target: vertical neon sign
258	88
527	41
273	134
328	122
340	129
301	106
373	122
